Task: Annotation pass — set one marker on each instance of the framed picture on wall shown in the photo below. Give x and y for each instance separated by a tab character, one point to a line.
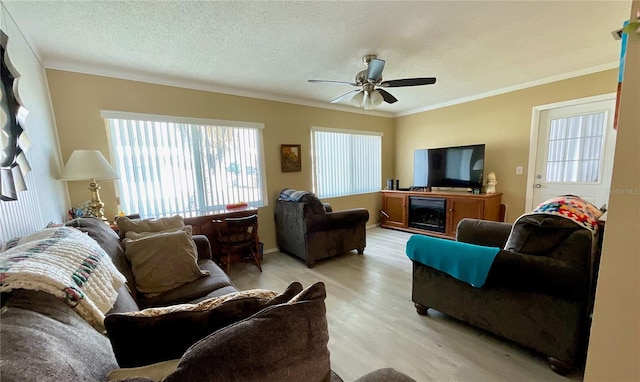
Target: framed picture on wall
290	158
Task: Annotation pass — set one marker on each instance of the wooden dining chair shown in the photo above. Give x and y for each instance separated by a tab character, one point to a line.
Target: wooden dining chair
238	237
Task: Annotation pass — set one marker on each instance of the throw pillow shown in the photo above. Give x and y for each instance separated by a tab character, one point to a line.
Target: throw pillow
206	304
160	334
139	235
148	225
284	343
163	261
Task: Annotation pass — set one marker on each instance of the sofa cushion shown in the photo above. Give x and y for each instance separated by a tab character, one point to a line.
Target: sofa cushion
43	339
294	333
163	261
203	286
124	301
148	225
160	334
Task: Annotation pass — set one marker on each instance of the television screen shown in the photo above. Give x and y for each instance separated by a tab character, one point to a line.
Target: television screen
460	166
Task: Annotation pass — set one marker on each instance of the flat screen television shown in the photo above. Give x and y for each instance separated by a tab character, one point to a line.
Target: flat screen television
460	167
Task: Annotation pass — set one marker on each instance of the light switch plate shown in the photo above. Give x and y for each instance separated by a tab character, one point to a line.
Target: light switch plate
519	170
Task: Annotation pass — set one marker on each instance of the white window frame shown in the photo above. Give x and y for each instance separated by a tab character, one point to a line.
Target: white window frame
348	171
201	208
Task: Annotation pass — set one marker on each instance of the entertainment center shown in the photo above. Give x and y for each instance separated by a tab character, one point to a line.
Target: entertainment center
436	213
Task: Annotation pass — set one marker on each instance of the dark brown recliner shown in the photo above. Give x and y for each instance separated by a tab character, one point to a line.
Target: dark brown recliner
311	231
538	292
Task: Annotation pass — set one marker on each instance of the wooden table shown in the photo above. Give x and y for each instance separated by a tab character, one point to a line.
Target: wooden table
203	225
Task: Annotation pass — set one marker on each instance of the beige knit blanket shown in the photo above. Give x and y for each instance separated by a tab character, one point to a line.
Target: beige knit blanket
66	263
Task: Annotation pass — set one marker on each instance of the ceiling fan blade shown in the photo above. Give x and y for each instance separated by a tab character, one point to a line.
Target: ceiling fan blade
333	82
388	98
409	82
374	70
344	96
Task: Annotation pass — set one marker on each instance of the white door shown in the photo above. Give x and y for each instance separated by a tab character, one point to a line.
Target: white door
575	152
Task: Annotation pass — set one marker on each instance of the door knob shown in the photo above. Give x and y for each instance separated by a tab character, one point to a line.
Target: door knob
538	185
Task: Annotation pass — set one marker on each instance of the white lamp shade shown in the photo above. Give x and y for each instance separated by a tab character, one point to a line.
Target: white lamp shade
87	164
357	99
376	98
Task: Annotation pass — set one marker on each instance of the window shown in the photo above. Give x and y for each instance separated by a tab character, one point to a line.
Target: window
187	166
575	148
346	162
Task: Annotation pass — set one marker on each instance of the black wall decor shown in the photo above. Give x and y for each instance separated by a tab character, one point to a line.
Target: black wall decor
13	141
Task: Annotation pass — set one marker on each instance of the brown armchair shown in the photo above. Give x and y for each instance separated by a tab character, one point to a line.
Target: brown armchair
311	231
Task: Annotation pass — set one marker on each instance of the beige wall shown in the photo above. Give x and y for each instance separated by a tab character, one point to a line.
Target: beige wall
614	346
502	122
78	99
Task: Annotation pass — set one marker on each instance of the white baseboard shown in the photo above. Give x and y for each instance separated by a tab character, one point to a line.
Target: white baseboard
276	249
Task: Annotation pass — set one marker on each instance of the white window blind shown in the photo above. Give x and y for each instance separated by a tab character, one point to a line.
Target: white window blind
171	165
346	162
575	148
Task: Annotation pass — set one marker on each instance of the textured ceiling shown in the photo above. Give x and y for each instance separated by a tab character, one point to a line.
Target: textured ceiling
270	49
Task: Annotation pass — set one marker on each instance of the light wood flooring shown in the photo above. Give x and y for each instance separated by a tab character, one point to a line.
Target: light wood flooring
373	324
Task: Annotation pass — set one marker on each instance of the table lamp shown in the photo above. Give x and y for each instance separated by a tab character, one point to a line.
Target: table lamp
85	165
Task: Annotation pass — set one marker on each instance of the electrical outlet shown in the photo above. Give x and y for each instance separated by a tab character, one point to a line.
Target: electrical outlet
519	170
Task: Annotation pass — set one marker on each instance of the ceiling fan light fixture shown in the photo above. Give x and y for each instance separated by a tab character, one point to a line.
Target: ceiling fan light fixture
358	99
367	101
372	93
376	98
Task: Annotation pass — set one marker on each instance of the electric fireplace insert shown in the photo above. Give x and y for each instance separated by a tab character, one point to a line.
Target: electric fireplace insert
427	213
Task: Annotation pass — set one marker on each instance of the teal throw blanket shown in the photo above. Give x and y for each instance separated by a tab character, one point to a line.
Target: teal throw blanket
466	262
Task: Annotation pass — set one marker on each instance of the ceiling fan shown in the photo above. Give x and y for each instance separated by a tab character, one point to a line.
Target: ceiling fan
371	93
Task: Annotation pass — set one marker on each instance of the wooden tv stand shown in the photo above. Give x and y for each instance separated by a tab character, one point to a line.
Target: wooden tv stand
456	206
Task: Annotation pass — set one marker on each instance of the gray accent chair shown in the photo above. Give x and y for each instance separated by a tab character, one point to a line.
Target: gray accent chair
307	230
539	290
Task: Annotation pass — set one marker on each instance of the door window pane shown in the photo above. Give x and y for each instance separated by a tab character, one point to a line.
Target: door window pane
575	148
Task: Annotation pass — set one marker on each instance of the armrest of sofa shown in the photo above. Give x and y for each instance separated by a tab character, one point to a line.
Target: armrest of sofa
203	246
538	274
483	232
337	220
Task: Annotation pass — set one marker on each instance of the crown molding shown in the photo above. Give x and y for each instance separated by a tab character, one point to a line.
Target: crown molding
508	89
209	87
198	85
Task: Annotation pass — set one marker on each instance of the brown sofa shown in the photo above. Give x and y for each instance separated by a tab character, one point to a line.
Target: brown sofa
43	339
538	294
310	230
251	339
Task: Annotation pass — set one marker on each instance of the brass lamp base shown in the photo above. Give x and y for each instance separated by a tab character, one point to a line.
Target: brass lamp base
96	206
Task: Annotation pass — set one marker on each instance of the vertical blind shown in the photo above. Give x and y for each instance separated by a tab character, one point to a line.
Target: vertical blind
575	148
345	162
170	166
